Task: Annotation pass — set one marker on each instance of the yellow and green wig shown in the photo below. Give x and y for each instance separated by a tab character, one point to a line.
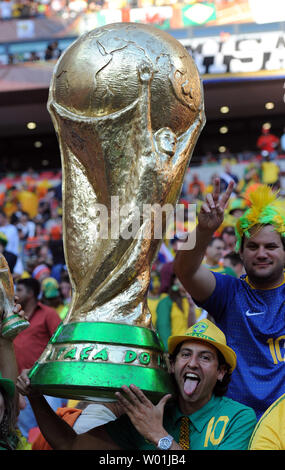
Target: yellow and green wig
265	209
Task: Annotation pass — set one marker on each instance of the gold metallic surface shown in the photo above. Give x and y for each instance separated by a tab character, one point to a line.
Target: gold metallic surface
6	287
11	324
127	105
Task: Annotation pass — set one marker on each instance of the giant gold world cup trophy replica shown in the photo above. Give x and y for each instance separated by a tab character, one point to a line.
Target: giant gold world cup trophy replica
127	106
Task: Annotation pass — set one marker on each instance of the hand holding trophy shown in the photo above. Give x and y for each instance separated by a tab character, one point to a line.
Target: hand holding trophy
127	105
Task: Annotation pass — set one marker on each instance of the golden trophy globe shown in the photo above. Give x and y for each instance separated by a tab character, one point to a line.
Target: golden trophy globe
126	102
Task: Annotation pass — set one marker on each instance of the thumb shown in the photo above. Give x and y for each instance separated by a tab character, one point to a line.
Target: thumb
25	376
161	404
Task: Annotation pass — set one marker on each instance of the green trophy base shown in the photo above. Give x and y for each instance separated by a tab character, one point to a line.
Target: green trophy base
92	360
13	325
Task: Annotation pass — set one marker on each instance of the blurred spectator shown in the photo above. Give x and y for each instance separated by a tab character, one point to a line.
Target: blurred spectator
55	219
44	255
175	312
56	248
11	233
229	237
30	343
39	240
252	174
210	186
267	143
226	176
166	271
52	51
58	192
51	296
43	214
236	207
195	195
196	186
270	172
213	257
11	205
10	257
26	227
34	56
65	287
13	244
233	260
41	272
11	59
154	295
31	263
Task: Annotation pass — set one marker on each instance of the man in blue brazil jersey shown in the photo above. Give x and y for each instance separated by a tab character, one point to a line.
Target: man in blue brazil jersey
251	310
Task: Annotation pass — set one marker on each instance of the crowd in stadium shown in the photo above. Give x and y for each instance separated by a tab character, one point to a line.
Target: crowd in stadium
31	240
10	9
37	9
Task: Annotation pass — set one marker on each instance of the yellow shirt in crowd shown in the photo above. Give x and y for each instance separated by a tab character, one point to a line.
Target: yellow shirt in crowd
269	433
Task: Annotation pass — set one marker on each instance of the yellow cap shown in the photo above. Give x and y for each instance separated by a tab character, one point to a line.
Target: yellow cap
205	330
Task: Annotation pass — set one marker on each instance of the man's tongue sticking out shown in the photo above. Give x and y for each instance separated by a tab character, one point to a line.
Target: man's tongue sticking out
190	385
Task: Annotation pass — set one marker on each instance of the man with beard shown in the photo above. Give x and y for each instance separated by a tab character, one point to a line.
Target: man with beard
196	417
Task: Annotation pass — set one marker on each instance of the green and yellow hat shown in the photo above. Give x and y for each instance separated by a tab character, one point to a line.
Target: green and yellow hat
237	203
50	288
265	209
205	330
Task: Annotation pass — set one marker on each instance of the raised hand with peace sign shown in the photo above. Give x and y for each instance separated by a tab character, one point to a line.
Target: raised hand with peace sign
198	280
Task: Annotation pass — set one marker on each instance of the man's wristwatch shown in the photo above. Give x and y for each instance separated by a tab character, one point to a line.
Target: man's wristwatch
165	443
